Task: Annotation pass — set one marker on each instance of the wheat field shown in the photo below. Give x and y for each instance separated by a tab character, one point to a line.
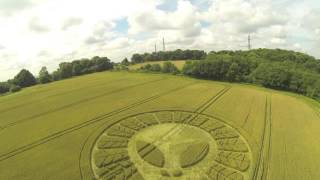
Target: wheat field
120	125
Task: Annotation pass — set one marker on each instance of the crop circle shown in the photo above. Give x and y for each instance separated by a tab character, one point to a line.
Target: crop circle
170	144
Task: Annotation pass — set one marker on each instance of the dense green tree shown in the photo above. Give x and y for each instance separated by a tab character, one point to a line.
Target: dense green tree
169	55
82	66
151	67
77	69
24	79
277	69
233	73
273	68
65	70
136	58
296	82
120	67
273	76
4	87
125	62
169	67
56	75
101	64
85	66
218	56
44	76
147	67
155	67
188	68
150	57
15	88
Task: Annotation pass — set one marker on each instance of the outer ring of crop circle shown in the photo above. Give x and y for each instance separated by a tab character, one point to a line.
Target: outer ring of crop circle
85	158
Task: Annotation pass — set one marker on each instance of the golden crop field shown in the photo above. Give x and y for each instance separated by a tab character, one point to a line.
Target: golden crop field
179	64
120	125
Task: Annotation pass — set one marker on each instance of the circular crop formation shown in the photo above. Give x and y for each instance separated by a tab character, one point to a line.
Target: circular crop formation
170	145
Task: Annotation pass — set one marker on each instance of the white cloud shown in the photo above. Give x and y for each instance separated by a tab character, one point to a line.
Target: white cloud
8	7
70	22
311	19
101	32
36	26
35	33
244	16
184	19
118	43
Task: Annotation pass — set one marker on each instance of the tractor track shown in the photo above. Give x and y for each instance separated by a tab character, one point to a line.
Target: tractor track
201	108
209	103
248	114
58	94
262	165
85	100
212	100
84	124
153	98
269	153
41	90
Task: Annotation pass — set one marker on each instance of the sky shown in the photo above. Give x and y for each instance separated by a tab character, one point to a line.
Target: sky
36	33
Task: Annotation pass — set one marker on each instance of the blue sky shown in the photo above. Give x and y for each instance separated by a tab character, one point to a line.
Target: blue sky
169	6
122	26
32	36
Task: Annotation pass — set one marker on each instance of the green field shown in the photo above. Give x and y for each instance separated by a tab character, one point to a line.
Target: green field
120	125
178	64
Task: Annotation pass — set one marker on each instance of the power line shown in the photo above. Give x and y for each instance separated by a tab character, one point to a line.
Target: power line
163	44
249	42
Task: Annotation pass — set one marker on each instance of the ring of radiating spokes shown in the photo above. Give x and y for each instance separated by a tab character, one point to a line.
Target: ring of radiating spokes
170	144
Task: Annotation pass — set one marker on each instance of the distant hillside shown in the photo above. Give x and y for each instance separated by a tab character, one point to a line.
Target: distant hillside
273	68
169	55
179	64
261	55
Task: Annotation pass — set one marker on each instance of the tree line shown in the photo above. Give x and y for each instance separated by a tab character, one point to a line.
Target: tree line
166	67
169	55
65	70
271	68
